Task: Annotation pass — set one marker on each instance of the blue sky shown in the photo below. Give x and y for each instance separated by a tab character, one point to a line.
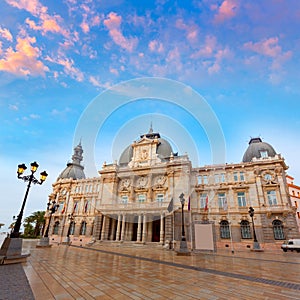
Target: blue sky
57	56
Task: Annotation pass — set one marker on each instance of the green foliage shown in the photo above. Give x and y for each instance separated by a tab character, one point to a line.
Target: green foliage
33	224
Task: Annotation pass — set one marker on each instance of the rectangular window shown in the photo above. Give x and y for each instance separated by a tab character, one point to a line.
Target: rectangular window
124	199
203	200
61	206
235	176
272	197
263	154
222	177
241	199
204	179
242	176
141	198
199	179
222	200
160	197
217	178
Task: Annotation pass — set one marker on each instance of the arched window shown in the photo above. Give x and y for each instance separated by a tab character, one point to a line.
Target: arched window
224	230
245	230
72	228
278	230
83	228
56	227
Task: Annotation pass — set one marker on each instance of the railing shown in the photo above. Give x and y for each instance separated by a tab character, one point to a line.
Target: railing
136	205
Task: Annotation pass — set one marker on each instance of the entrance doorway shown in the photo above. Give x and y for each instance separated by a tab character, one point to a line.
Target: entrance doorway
156	230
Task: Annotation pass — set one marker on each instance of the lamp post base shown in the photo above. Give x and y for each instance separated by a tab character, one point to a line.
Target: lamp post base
11	251
256	247
43	243
183	250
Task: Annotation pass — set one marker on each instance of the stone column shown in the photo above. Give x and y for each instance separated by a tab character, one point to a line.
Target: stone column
161	238
113	229
138	239
103	228
118	227
144	229
123	228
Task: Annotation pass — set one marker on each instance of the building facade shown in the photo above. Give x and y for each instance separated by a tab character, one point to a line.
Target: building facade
294	191
137	198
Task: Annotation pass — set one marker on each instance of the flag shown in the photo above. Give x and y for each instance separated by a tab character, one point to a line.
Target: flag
206	203
75	206
189	204
170	206
64	208
86	206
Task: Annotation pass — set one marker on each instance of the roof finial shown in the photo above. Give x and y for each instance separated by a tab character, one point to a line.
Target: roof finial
151	129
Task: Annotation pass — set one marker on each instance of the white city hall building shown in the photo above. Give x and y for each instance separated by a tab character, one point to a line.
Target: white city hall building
136	200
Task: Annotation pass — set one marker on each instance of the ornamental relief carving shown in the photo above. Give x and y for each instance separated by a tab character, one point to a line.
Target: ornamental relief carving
142	182
125	184
160	180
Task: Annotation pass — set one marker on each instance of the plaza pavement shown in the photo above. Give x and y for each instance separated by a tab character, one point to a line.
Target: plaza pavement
113	271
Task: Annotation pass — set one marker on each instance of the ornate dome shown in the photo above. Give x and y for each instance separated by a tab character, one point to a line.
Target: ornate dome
163	149
74	169
259	149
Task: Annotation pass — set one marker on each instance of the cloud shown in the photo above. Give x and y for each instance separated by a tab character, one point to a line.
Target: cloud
270	48
13	107
113	24
267	47
208	49
227	10
46	22
156	46
96	82
191	30
5	33
68	65
24	60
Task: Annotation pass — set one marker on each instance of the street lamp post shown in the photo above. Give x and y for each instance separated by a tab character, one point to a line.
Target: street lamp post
71	219
11	248
52	208
183	250
31	179
256	245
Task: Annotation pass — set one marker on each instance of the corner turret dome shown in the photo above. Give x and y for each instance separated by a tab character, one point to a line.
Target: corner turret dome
74	169
258	149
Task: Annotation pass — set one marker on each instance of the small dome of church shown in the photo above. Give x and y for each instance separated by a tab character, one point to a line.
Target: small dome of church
259	149
163	150
74	169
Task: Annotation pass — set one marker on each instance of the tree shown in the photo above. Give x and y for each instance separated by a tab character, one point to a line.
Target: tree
33	224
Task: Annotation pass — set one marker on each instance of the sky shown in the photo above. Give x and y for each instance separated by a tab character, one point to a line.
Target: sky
57	58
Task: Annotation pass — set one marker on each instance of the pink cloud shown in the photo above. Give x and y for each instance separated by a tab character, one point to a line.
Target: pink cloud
113	24
267	47
5	33
155	46
46	22
24	61
33	6
208	49
226	10
191	30
69	68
